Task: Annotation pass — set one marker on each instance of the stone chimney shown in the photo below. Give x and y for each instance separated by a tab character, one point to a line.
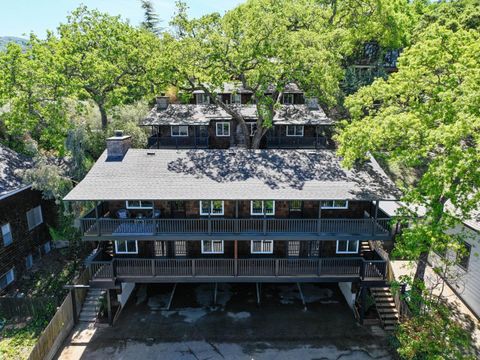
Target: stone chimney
312	103
162	102
118	145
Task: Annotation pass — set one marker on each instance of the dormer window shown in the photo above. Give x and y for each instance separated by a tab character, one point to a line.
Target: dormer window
236	98
294	130
202	99
288	99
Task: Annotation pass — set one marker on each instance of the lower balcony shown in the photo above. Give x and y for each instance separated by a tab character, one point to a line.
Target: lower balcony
200	229
355	269
296	142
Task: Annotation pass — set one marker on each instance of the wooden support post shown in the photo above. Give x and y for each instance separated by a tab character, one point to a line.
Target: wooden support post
319	221
209	218
258	293
235	256
171	296
109	308
302	297
158	137
264	220
153	267
215	294
97	217
236	218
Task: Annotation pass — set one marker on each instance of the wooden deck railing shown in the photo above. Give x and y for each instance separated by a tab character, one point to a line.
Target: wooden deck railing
352	267
310	142
212	226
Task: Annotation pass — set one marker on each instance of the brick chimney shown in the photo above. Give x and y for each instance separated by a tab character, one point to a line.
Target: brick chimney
162	102
118	145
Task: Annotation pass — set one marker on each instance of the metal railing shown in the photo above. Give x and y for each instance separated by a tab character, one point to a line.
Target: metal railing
351	267
179	142
212	226
310	142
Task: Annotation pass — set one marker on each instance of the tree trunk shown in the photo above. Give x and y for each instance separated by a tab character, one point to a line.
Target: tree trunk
257	138
103	114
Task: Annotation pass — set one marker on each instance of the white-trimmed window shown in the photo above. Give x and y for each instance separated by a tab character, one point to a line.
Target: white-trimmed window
261	246
262	207
179	130
212	207
7	278
212	246
202	99
347	246
295	130
236	98
335	204
139	204
160	248
222	128
34	217
29	261
295	205
289	99
293	248
7	234
126	247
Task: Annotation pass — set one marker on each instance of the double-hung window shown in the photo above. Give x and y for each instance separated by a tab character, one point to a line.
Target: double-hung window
464	256
29	261
7	278
179	130
294	130
262	207
288	99
347	246
139	204
180	248
261	246
7	234
202	99
222	128
335	204
212	246
236	98
34	217
126	246
212	207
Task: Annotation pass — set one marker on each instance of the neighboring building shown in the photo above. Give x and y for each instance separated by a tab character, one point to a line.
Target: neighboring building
299	123
233	216
24	216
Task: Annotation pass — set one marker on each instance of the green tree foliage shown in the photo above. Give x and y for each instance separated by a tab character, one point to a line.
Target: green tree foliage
426	117
266	44
151	21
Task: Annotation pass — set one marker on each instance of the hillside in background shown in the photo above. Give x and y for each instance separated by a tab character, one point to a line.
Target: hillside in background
4	40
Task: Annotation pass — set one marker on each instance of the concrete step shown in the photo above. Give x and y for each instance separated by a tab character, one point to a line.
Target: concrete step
88	319
88	313
387	310
390	322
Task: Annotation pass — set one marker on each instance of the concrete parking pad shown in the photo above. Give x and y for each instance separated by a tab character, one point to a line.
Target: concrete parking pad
235	327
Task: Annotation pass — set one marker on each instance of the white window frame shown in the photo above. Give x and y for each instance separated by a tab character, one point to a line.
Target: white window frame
263	248
179	133
9	276
263	208
126	247
222	134
202	99
132	207
295	128
236	99
37	217
212	251
211	208
334	206
184	244
290	96
347	251
7	234
29	261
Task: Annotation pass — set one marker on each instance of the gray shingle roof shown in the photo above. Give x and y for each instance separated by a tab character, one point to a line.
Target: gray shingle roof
11	164
232	175
181	114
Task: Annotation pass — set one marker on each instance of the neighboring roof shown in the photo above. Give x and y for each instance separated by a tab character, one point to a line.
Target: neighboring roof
474	222
232	175
11	164
182	114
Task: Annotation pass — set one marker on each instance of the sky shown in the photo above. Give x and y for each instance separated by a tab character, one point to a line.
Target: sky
20	17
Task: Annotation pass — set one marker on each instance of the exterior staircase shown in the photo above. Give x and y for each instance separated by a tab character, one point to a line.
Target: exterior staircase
364	247
91	305
386	307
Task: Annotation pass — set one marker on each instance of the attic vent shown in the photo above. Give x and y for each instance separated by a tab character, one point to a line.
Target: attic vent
151	153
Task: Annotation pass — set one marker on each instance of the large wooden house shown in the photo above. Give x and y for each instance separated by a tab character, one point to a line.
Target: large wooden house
298	123
24	215
235	215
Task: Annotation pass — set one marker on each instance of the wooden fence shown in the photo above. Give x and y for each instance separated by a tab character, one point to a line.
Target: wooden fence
61	324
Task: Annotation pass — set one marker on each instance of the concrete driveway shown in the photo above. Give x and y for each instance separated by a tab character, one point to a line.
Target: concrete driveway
236	328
